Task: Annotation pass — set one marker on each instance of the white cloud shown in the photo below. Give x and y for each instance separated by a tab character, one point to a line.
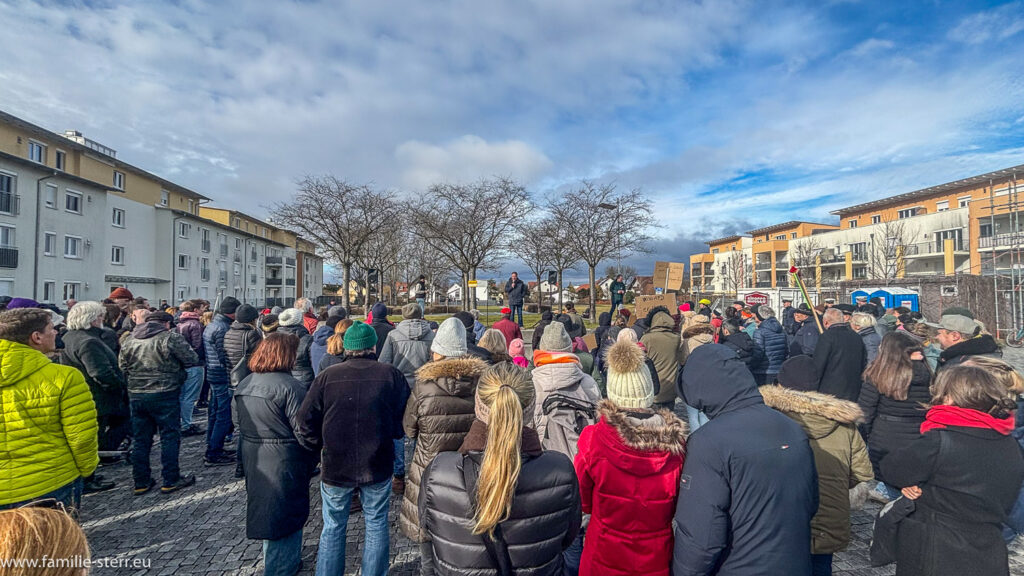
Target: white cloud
992	25
467	159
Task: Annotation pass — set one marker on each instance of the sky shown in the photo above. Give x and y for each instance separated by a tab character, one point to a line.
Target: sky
730	115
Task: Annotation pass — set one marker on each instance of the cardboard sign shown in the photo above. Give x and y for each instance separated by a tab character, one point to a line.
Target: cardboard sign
591	340
755	298
669	276
645	304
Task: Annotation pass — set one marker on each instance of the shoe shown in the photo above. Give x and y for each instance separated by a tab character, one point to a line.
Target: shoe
398	485
202	404
140	490
239	472
355	505
222	460
97	484
192	430
183	482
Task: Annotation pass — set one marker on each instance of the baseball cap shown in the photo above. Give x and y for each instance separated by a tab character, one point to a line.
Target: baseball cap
955	323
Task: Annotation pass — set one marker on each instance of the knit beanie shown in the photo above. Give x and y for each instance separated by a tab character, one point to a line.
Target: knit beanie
276	310
246	314
517	347
290	317
360	336
269	323
555	338
450	340
229	305
411	311
338	311
121	293
629	381
333	321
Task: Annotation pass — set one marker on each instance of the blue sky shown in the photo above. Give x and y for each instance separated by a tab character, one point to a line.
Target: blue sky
730	114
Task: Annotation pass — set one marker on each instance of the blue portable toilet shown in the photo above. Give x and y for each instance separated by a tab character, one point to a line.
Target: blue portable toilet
891	296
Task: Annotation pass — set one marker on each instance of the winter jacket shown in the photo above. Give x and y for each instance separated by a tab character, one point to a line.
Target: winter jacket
546	317
516	292
770	347
478	330
840	457
806	339
544	518
310	322
189	326
981	345
438	417
629	465
303	369
742	344
578	328
153	359
407	347
886	323
330	360
351	416
789	324
380	324
240	341
420	290
969	479
84	350
49	433
509	329
604	322
749	484
565	378
664	348
277	467
694	335
872	340
839	360
618	291
218	368
891	424
318	347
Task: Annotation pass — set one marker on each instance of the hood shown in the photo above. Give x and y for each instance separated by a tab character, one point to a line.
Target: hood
455	375
552	377
983	344
189	316
741	340
605	319
770	325
867	331
716	381
696	329
819	414
665	434
661	320
18	361
148	330
649	318
414	329
322	334
236	325
547	316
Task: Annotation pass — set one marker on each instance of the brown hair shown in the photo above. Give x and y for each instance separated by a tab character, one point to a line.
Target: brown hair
493	341
188	306
892	370
37	533
206	318
336	343
275	353
20	324
974	388
1001	371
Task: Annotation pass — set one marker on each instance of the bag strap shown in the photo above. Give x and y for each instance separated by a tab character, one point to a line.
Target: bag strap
497	548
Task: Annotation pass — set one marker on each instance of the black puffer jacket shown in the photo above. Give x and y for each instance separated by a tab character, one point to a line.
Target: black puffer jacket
303	370
239	341
983	345
544	520
770	348
743	344
85	350
380	324
546	317
890	424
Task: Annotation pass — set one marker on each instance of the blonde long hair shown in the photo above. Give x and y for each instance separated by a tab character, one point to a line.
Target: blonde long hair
27	533
505	390
336	343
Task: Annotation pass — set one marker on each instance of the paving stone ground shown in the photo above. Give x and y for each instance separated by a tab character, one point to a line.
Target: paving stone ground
201	530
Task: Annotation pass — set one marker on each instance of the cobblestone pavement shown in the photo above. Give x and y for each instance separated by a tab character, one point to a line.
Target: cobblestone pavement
201	530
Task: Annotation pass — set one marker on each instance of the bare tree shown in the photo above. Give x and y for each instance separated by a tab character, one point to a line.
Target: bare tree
615	269
803	254
887	249
562	253
341	218
470	225
530	245
735	272
598	233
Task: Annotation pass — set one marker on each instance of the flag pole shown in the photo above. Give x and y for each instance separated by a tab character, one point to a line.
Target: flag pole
795	273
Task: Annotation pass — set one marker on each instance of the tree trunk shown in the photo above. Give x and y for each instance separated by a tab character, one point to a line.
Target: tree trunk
560	306
593	292
538	294
346	275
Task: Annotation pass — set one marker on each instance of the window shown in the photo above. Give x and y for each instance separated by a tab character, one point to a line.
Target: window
36	152
204	269
236	223
877	218
183	229
49	291
714	251
51	196
183	261
792	234
238	270
264	232
49	243
61	160
253	254
73	202
165	197
117	255
860	250
780	237
72	247
8	199
118	180
117	218
204	235
963	201
985	231
907	213
72	290
6	287
7	236
853	223
238	243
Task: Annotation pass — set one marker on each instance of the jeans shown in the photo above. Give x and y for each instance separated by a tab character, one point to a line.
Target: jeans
152	413
400	456
423	306
283	556
615	306
376	499
69	494
888	491
695	418
572	556
190	392
1015	521
821	565
517	308
218	420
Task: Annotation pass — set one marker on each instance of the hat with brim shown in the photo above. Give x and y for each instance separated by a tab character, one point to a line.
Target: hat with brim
846	308
804	309
955	323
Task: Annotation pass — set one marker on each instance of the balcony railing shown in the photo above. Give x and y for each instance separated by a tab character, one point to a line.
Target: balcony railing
762	285
763	266
937	247
1008	239
274	260
8	257
274	281
10	203
289	261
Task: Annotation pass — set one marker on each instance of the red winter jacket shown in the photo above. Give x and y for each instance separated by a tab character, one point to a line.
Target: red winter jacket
629	480
310	321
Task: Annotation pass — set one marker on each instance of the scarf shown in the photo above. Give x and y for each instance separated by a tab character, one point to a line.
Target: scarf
476	440
940	417
543	357
483	413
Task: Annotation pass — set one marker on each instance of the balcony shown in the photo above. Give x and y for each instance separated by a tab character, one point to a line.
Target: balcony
8	257
289	262
762	284
275	282
937	248
696	271
274	260
289	282
10	204
1009	239
763	266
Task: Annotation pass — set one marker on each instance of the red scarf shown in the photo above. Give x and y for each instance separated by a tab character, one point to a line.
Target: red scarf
940	417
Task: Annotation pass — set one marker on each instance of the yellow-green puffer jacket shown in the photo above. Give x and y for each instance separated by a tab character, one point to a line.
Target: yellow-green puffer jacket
47	424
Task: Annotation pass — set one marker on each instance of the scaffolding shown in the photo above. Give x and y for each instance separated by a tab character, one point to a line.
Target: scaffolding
1006	253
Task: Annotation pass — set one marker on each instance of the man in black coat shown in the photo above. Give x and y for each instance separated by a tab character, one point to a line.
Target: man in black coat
517	292
749	487
805	338
839	358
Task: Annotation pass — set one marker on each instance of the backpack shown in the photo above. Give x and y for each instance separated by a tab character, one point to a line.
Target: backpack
566	416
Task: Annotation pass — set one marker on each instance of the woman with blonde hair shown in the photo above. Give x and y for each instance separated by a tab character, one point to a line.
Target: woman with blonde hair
335	346
500	503
494	342
38	533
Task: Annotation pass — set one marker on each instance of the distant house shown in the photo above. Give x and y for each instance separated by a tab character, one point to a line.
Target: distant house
454	292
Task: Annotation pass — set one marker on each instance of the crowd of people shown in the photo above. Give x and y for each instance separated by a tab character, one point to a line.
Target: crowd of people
693	441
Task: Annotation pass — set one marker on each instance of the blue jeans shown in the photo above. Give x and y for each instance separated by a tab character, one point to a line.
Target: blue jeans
190	393
888	491
821	565
572	556
423	306
695	418
517	308
283	556
376	499
218	421
152	413
69	494
400	456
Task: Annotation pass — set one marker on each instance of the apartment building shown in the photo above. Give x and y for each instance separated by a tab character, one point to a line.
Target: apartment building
770	251
725	267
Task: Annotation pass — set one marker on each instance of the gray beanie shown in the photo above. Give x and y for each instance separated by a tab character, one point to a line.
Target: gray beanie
555	338
290	317
450	340
338	310
411	311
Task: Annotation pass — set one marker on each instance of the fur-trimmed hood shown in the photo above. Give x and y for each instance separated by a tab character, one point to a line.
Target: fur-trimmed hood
695	329
818	413
449	372
650	315
666	434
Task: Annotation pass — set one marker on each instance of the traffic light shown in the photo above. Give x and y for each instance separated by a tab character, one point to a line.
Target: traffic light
371	275
552	278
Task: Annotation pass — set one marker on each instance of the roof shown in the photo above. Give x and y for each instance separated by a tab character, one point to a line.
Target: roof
209	222
890	289
932	190
61	174
732	238
785	226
